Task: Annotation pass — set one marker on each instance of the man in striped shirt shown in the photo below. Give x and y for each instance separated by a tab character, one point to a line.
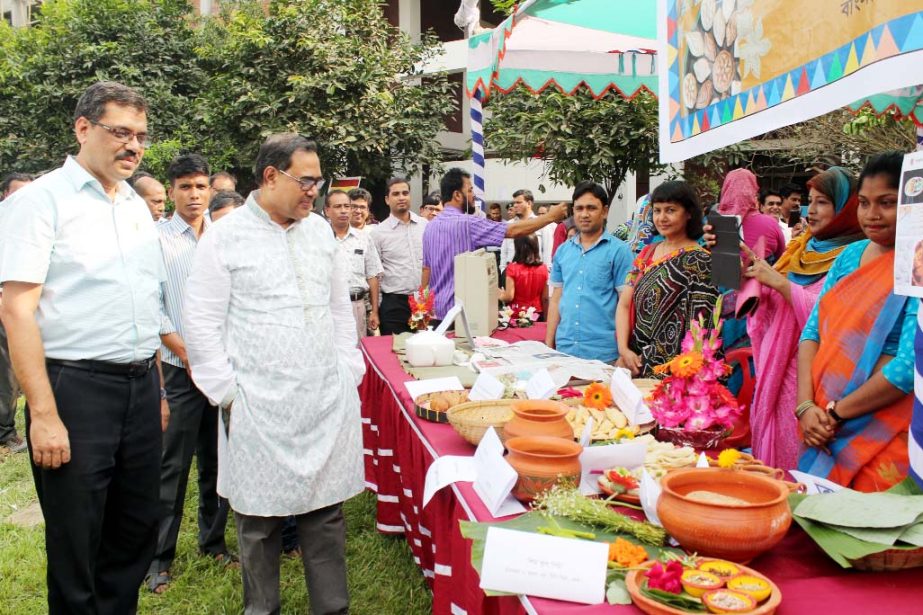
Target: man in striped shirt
194	423
456	231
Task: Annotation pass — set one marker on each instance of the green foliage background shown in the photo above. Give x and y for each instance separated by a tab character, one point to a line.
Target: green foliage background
334	70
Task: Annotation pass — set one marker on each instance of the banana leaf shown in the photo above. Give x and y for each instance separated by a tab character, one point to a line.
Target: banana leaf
862	510
530	522
840	547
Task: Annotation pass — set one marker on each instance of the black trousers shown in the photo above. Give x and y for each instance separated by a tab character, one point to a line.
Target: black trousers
101	508
193	429
394	312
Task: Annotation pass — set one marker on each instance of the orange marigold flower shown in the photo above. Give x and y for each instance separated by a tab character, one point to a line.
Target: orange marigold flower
626	554
597	396
687	364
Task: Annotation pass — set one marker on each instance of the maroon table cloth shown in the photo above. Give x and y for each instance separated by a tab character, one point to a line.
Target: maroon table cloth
399	447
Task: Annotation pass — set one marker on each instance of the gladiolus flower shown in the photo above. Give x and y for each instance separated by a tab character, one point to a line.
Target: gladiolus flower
666	578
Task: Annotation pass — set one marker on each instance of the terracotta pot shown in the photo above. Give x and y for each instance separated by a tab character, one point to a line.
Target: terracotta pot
735	532
700	440
538	417
541	462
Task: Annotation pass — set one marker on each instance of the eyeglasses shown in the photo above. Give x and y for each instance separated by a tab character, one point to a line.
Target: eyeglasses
124	135
306	183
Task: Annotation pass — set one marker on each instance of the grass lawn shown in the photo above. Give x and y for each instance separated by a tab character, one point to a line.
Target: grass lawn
382	575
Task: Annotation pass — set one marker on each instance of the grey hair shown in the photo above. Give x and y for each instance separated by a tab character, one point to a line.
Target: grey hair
93	101
277	151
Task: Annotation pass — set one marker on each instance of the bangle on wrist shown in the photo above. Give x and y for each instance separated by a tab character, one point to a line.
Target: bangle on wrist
803	407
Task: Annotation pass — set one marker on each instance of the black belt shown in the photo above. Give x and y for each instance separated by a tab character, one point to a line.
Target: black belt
131	370
357	294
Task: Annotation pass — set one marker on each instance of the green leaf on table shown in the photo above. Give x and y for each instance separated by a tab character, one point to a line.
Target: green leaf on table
861	510
530	522
839	546
617	592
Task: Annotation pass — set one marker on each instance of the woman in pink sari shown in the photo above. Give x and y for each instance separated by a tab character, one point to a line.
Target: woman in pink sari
789	292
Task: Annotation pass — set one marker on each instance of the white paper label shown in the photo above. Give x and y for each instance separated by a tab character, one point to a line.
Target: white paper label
486	387
629	399
432	385
495	477
544	566
541	385
447	470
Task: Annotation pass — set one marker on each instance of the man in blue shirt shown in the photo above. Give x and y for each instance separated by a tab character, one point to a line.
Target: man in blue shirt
587	274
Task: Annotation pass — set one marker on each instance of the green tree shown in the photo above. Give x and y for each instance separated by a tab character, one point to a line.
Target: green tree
578	137
334	70
148	44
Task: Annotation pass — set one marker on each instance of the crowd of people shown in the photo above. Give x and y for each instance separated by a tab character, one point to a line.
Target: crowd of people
228	331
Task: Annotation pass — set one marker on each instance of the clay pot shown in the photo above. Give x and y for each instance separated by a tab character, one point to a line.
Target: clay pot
541	462
735	532
701	440
538	417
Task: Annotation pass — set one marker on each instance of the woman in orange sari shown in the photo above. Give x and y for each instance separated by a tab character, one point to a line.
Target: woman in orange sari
855	359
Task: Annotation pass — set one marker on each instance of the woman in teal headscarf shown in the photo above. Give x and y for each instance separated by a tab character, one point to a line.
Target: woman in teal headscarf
789	292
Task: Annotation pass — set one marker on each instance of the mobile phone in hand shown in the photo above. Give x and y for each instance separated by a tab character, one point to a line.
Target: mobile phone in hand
725	254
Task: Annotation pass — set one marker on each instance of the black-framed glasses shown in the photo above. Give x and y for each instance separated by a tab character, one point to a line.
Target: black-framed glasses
124	135
306	183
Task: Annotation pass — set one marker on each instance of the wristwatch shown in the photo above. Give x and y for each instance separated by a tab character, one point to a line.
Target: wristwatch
163	393
831	410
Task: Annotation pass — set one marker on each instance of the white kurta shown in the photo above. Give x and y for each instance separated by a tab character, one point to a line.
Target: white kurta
269	325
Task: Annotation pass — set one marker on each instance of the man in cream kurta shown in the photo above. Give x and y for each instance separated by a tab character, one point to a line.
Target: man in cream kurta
271	338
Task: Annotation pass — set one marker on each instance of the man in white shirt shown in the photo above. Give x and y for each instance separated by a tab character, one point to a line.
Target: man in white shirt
81	272
270	338
399	241
357	250
523	201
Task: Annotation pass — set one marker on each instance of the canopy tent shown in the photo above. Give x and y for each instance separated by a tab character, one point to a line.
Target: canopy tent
734	69
905	103
568	44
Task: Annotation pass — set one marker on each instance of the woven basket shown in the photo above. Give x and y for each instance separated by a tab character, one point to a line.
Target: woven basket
421	409
472	419
892	559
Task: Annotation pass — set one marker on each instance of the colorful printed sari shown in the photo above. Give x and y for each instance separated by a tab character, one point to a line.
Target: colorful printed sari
669	294
869	452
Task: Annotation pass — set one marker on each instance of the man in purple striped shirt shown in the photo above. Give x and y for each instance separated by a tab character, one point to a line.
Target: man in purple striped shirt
454	231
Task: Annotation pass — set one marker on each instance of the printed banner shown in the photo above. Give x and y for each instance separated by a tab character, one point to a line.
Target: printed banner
908	245
345	183
734	69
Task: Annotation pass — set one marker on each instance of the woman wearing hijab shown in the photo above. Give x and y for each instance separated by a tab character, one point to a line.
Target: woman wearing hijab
740	197
789	292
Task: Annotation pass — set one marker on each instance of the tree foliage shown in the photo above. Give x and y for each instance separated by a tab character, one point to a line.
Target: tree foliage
578	137
331	69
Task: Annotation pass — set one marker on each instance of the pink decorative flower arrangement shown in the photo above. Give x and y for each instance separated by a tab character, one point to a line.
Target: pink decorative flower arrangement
691	396
516	316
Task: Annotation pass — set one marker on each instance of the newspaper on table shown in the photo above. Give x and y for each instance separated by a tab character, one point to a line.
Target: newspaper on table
908	245
527	358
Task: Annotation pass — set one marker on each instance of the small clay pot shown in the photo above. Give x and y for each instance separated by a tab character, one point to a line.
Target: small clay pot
541	462
735	532
538	417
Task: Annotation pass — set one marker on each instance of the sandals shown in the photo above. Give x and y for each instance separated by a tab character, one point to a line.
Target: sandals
225	559
160	582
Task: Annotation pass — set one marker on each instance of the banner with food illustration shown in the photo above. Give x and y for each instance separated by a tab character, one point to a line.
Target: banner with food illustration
734	69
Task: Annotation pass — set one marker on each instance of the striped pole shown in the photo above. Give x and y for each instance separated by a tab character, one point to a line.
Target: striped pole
915	439
477	147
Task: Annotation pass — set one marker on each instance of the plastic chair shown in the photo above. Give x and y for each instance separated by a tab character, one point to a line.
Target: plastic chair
740	437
